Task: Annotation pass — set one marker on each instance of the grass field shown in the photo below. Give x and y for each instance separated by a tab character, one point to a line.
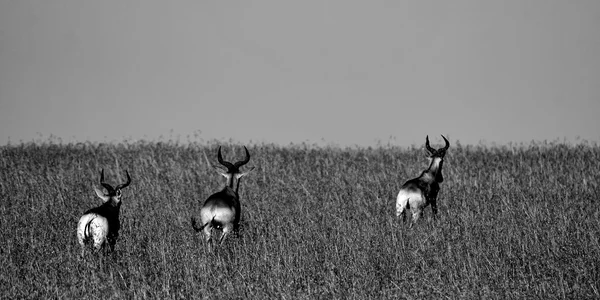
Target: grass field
317	223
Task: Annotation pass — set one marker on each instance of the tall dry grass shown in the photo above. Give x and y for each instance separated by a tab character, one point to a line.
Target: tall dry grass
518	221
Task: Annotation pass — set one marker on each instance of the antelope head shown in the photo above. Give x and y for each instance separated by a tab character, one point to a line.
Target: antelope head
112	194
232	172
436	157
441	152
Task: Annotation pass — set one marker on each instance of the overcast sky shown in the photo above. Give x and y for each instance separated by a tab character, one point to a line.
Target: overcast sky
339	72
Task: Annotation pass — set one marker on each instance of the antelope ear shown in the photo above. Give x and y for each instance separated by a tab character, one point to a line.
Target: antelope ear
220	171
240	175
427	153
101	194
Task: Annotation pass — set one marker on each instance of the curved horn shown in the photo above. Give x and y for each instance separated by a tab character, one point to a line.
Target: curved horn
427	145
221	161
107	186
447	143
245	161
123	185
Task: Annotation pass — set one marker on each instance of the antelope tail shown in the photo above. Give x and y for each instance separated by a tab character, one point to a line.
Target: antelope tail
195	225
87	234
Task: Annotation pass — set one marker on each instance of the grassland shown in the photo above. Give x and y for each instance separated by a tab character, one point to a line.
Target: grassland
317	223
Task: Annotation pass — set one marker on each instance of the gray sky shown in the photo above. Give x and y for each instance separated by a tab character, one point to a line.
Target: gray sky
342	72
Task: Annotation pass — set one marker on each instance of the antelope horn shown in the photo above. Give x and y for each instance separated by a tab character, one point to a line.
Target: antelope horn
427	145
447	143
107	186
221	161
245	161
123	185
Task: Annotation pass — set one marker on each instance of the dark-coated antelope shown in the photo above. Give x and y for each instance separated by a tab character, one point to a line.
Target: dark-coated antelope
419	192
222	209
100	226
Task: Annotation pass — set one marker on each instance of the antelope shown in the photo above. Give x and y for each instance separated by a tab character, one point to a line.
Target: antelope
222	209
419	192
99	226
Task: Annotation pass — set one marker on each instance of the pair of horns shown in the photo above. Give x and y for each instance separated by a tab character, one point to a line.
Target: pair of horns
109	188
232	168
433	150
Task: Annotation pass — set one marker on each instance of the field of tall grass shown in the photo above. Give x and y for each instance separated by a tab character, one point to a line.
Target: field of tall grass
515	222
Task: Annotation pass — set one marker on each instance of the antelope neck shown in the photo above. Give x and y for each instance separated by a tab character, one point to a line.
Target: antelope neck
231	183
435	166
